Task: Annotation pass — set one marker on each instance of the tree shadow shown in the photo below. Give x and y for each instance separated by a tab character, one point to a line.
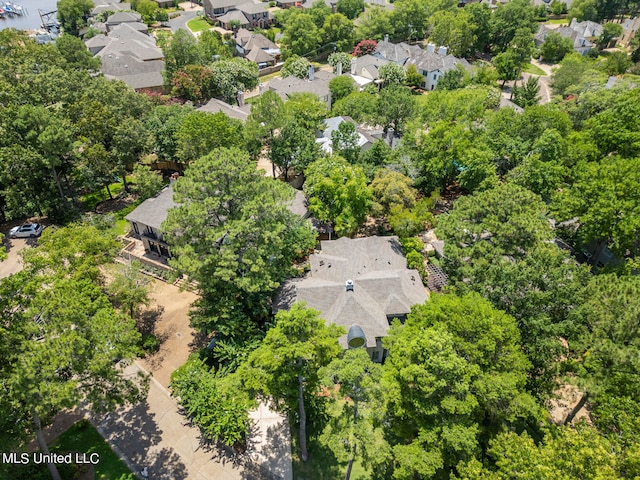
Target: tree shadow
268	458
135	434
146	324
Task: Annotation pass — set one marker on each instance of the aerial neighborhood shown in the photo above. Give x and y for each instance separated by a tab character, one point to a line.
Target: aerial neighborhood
321	239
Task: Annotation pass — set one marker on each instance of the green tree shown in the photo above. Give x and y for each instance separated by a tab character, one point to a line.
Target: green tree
392	189
392	74
267	115
147	182
307	110
340	87
356	431
565	453
361	106
569	73
557	7
294	147
617	63
72	14
481	20
64	335
338	193
409	19
555	47
396	105
455	30
507	19
343	58
201	132
195	83
232	76
609	32
413	78
338	29
219	406
234	235
374	23
129	289
344	141
295	66
284	369
301	36
605	199
454	79
350	8
583	10
454	376
319	11
163	122
507	66
180	50
498	243
76	54
526	94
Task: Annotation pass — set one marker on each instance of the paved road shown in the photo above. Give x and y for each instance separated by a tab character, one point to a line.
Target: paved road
181	22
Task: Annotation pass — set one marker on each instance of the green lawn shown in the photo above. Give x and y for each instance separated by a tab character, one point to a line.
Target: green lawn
84	438
198	24
532	69
557	21
421	99
90	200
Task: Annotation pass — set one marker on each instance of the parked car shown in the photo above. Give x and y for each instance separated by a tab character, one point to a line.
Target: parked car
31	230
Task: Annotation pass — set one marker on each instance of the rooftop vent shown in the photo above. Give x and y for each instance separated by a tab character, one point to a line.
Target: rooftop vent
348	286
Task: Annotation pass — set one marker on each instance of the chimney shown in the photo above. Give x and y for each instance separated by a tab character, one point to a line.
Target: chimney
442	51
241	99
261	88
339	69
348	286
431	48
311	73
353	66
390	133
386	37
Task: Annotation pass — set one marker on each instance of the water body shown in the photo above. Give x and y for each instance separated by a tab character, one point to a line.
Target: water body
30	20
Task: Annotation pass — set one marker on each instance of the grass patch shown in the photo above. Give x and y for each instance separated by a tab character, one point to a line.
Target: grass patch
270	76
91	200
557	21
532	69
84	438
198	24
421	99
121	227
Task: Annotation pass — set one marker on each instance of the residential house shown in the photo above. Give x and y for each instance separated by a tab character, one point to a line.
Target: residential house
630	27
583	34
318	83
365	69
365	140
146	222
130	56
431	63
256	48
216	8
361	284
307	4
110	7
214	106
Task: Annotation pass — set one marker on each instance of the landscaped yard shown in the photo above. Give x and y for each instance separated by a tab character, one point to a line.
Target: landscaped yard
198	24
532	69
84	438
557	21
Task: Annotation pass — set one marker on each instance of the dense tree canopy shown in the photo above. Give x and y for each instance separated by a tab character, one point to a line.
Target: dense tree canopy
234	235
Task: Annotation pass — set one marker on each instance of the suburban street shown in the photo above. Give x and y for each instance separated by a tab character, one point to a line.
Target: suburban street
190	12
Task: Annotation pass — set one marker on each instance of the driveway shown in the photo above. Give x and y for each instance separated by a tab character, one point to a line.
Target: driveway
190	12
13	263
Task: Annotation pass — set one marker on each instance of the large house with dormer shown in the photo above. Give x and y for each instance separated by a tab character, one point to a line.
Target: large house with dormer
432	63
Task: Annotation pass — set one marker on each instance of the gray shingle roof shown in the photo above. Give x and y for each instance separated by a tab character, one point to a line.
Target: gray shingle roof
286	86
234	15
133	71
123	17
215	4
153	211
258	55
383	286
405	54
253	7
214	106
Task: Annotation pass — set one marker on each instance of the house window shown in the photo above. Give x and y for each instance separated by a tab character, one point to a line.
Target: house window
375	356
434	76
135	228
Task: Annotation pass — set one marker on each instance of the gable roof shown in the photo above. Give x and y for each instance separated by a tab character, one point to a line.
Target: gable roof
153	211
123	17
234	15
214	106
405	54
382	285
286	86
252	7
258	55
215	4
